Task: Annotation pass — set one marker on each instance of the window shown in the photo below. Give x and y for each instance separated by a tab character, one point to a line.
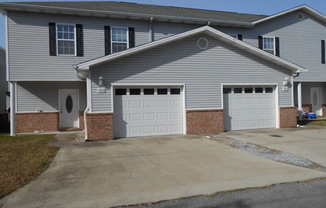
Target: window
237	90
236	36
175	91
119	39
269	90
149	91
120	91
66	39
135	91
269	45
259	90
248	90
162	91
226	90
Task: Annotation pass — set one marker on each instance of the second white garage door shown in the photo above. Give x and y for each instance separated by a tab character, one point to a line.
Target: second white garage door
249	107
147	111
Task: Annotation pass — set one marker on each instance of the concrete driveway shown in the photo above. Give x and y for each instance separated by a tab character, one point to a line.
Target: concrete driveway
307	142
139	170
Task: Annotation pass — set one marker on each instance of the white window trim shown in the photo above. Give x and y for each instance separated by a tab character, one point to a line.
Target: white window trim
274	46
57	39
116	27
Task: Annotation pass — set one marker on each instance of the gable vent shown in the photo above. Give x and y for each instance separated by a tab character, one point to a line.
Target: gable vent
300	16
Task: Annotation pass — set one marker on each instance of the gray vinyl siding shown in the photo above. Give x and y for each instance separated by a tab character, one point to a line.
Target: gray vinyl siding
164	29
202	72
29	45
44	96
305	90
300	42
3	82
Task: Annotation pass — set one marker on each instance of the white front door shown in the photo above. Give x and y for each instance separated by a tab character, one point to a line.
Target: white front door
69	117
316	100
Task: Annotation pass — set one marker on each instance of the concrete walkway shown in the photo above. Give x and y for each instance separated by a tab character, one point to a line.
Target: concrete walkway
139	170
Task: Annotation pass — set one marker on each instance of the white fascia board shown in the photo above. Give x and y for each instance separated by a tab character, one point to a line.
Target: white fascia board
206	30
305	8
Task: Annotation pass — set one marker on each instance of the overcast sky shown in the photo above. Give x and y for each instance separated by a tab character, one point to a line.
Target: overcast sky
266	7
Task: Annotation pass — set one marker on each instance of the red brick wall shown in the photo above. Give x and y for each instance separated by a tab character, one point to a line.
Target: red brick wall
99	126
40	121
288	117
324	109
205	121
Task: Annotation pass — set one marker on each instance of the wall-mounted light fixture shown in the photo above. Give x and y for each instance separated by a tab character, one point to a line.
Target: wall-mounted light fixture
286	81
100	81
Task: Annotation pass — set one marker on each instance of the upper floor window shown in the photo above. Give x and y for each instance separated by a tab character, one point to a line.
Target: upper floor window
269	44
66	39
119	39
236	36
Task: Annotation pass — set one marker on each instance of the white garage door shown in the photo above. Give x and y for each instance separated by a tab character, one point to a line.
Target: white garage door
249	108
147	111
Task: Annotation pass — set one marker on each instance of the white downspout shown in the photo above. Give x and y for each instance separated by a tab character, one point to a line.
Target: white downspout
151	35
88	94
12	109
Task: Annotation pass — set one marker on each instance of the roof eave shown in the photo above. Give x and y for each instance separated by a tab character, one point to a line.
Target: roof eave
112	14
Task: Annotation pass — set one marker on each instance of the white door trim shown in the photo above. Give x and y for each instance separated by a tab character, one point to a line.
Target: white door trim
77	105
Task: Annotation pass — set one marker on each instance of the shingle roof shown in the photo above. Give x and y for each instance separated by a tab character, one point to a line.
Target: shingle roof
146	9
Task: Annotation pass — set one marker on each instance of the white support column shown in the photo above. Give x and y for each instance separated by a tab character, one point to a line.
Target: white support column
299	100
12	109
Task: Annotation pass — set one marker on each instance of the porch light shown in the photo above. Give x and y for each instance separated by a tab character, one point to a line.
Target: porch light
100	81
286	81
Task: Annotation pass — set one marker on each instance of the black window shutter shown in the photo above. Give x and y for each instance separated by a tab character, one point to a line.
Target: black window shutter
52	39
80	40
239	37
131	37
277	46
107	39
323	51
260	42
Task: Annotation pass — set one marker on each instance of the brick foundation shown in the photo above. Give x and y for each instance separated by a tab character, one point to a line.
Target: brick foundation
40	121
99	126
205	121
324	110
288	117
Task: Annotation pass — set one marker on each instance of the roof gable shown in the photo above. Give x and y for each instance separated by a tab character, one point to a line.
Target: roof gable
204	30
303	8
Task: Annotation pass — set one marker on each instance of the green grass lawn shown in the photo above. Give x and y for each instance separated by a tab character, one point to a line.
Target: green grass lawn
313	122
22	159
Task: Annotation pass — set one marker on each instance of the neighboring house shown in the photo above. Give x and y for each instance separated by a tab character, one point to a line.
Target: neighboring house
127	69
3	92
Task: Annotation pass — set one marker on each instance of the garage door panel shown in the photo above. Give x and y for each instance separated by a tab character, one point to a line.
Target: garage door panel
147	115
249	110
